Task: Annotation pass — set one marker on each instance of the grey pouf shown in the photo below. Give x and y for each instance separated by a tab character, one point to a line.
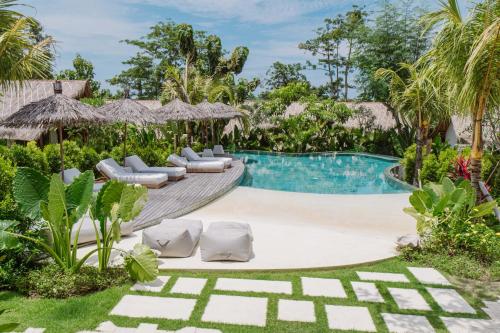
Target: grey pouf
227	241
173	238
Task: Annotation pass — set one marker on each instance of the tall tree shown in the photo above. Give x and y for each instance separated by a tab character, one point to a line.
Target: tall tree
280	74
418	102
21	56
326	46
466	57
82	70
394	37
353	27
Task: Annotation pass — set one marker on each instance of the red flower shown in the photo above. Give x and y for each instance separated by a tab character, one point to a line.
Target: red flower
461	168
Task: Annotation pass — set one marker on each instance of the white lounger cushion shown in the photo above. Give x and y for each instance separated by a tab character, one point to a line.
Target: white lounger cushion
139	166
196	166
173	238
71	174
112	170
192	156
227	241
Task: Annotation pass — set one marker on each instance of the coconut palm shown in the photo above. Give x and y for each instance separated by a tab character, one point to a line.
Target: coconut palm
466	56
417	101
21	58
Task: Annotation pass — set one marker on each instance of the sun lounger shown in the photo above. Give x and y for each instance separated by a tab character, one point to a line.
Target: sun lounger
227	241
196	166
110	169
137	165
192	156
71	174
173	238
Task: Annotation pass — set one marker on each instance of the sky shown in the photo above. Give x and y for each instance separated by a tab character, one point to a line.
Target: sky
271	29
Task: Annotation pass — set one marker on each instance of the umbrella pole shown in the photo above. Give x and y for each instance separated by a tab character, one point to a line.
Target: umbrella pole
61	149
124	143
212	130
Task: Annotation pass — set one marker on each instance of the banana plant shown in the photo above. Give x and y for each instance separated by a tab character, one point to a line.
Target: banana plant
437	203
118	203
58	205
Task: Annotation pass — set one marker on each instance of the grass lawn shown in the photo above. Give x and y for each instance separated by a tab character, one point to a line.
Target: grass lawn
86	313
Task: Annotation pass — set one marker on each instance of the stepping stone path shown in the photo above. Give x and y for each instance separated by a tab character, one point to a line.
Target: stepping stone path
349	318
291	310
193	286
450	300
238	310
258	286
385	277
154	286
398	323
367	292
429	276
409	299
323	287
248	310
154	307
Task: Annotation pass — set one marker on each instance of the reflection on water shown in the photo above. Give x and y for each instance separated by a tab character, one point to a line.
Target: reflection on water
336	173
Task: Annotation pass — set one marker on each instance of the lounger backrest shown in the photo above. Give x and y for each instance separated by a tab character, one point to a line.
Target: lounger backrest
110	168
190	154
136	163
219	150
207	153
70	175
177	160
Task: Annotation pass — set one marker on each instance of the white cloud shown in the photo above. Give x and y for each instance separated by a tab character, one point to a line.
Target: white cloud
257	11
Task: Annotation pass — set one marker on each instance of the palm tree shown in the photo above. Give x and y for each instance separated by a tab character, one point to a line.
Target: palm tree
21	58
466	55
417	102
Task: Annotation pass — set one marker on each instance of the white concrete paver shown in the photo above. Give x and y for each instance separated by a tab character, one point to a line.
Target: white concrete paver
367	292
136	306
34	330
398	323
322	287
450	300
385	277
409	299
492	309
239	310
246	285
294	310
466	325
349	318
109	327
154	286
193	286
429	276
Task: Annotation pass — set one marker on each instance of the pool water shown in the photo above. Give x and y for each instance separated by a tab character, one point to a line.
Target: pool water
318	173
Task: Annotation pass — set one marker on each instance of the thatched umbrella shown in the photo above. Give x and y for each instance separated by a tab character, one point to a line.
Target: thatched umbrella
177	110
55	111
218	111
128	111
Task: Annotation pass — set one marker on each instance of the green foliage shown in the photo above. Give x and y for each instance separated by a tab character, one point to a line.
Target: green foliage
491	172
449	219
90	158
280	75
291	92
73	157
60	207
52	282
29	156
118	203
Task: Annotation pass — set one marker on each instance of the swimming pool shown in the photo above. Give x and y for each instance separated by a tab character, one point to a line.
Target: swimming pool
329	173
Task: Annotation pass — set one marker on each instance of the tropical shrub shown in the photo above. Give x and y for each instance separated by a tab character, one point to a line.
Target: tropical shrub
491	172
29	156
90	158
51	281
73	157
449	220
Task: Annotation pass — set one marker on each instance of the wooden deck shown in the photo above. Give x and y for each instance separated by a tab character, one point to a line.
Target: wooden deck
184	196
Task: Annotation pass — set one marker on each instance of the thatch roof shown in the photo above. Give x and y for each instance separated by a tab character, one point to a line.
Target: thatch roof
151	104
13	99
219	110
128	110
177	110
53	111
